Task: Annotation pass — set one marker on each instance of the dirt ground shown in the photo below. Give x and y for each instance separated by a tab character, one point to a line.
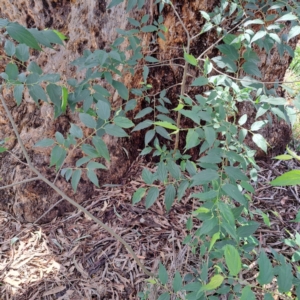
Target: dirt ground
72	258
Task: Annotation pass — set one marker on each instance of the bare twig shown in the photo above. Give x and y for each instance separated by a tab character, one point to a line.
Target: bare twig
63	195
19	182
183	82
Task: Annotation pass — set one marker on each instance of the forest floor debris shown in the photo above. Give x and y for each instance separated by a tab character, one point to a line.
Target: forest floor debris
73	258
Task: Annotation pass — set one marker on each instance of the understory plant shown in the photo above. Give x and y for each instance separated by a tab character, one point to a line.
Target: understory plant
222	173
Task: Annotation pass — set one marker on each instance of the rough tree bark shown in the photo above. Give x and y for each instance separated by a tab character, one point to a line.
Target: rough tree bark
90	26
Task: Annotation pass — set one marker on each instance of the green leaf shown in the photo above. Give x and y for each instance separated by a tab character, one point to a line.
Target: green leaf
162	172
147	176
12	71
192	139
260	141
247	186
256	21
232	259
92	177
114	3
144	112
214	283
75	179
283	157
247	294
101	90
189	223
54	92
44	143
285	277
190	59
266	272
162	274
163	132
9	48
138	195
50	78
170	194
288	178
200	81
231	230
213	240
22	35
235	173
247	230
225	62
233	192
145	73
243	119
3	22
34	68
210	135
258	35
149	28
206	195
2	149
90	151
142	125
151	59
268	296
50	35
205	15
56	154
76	131
81	161
37	92
59	138
87	120
149	136
92	165
295	30
145	19
60	35
251	69
123	122
22	52
174	169
229	51
181	189
164	296
208	225
103	110
166	125
64	99
151	197
121	88
177	282
115	130
205	176
287	17
258	125
133	22
130	105
18	93
101	147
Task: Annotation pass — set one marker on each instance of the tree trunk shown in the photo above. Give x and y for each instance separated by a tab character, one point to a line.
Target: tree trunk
89	26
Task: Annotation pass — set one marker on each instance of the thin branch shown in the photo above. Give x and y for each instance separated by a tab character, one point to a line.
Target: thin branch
253	81
63	195
183	82
220	39
19	182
